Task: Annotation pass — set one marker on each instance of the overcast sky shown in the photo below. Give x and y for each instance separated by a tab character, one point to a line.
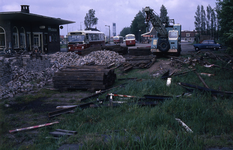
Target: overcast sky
121	12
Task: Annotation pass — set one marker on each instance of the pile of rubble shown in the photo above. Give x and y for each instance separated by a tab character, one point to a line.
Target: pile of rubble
24	81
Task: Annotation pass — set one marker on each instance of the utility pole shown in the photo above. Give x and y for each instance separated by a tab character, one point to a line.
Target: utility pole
80	26
109	33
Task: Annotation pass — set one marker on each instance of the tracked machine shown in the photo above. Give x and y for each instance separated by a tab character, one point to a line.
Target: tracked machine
168	38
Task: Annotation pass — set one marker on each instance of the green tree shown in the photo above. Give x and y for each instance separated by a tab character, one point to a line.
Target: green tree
217	9
203	20
225	14
197	23
163	15
208	19
90	19
198	19
124	31
138	25
213	25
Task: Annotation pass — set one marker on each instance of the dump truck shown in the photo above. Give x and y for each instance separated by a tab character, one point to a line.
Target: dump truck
168	38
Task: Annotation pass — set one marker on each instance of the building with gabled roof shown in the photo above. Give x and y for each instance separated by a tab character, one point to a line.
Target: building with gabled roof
25	30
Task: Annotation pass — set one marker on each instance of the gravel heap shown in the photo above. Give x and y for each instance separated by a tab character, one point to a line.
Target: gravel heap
24	81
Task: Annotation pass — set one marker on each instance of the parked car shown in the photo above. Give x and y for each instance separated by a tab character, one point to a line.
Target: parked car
207	44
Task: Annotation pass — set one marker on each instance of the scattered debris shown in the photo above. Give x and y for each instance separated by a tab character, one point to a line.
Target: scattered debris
33	127
120	103
184	94
166	75
184	125
169	81
209	66
60	132
64	107
213	92
206	74
61	111
138	62
201	80
157	97
120	79
100	93
120	95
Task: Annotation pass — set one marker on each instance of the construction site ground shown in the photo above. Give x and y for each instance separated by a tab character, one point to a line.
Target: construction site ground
161	65
17	108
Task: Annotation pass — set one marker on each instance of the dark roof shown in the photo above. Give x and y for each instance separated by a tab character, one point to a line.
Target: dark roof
29	17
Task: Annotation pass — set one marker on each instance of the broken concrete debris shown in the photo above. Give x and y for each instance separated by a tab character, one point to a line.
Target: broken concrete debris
28	74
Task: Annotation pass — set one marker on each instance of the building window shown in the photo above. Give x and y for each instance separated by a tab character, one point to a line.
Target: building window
15	37
36	40
187	34
22	38
2	38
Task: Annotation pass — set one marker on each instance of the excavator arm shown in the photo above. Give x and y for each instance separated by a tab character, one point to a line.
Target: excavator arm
156	22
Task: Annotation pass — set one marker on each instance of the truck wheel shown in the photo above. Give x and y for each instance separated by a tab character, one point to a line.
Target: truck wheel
163	45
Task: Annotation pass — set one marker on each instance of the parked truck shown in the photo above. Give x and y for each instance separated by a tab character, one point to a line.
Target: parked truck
168	36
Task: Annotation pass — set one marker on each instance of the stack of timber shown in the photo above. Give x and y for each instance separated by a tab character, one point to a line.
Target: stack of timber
139	51
137	62
117	48
84	77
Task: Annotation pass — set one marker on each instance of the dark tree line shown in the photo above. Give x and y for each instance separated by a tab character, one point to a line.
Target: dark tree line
225	13
216	22
206	21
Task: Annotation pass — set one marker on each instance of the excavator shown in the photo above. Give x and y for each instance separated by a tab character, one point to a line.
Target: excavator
168	38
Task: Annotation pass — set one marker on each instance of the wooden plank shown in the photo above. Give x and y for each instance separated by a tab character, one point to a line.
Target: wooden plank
66	131
87	67
78	78
84	70
75	82
84	87
80	74
57	133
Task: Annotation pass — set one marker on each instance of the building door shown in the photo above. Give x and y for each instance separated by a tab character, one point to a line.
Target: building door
2	39
29	44
38	41
46	42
